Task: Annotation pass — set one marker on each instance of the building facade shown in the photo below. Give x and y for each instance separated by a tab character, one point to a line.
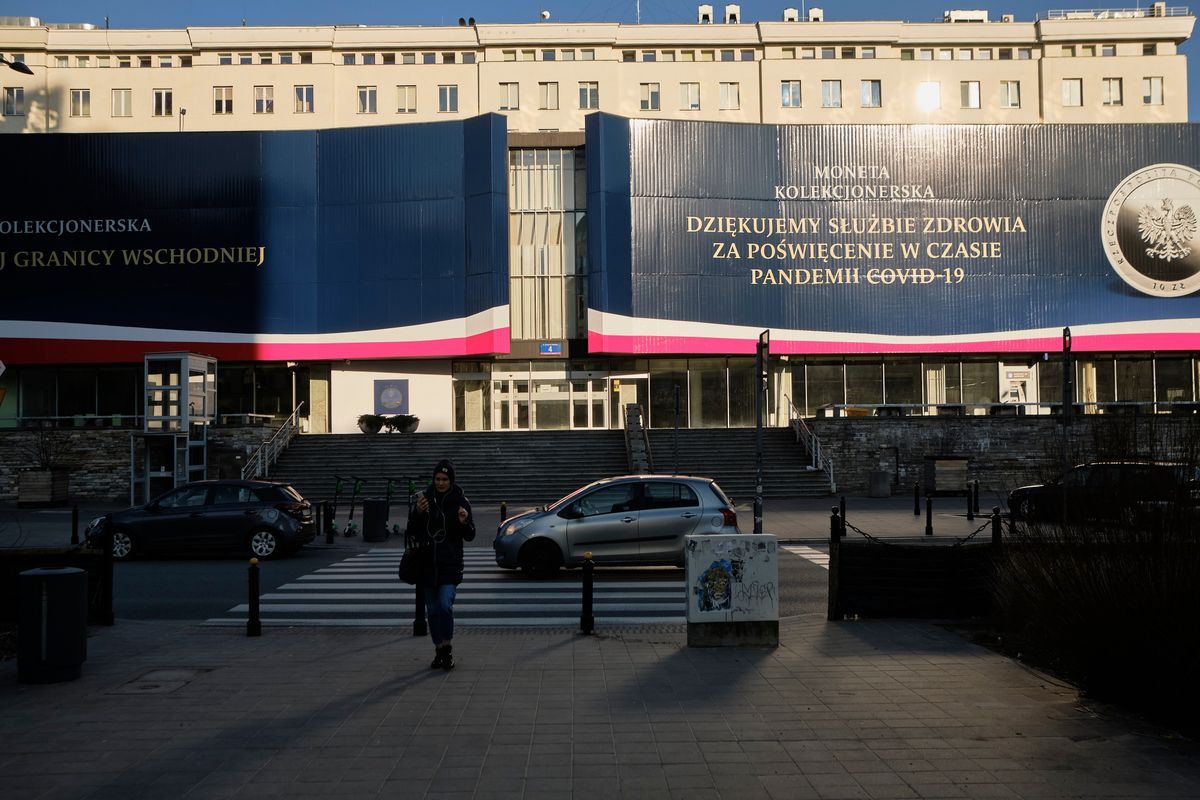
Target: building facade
548	351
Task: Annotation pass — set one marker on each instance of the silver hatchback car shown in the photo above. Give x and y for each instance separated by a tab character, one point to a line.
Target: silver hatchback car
630	520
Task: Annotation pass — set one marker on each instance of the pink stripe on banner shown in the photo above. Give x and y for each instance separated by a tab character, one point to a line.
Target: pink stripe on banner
604	343
93	351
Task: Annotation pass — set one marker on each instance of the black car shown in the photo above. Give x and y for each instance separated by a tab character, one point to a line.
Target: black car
258	518
1110	491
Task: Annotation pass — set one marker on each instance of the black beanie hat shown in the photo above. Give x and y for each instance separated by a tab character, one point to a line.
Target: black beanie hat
445	466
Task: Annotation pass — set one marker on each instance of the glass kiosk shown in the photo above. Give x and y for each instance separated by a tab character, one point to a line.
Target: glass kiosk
179	404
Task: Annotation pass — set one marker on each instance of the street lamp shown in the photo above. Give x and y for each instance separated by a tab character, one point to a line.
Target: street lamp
760	381
16	66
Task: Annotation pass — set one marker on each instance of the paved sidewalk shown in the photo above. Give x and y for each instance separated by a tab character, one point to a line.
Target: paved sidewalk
846	710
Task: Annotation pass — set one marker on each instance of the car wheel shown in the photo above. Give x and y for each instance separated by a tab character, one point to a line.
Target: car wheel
540	558
122	544
264	544
1024	509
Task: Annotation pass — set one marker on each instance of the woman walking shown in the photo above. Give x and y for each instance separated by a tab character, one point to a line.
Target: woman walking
441	521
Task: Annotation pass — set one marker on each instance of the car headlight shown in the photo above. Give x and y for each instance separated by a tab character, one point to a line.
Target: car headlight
516	525
270	515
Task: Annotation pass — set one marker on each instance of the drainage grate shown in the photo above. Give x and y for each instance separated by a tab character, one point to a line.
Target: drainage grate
162	681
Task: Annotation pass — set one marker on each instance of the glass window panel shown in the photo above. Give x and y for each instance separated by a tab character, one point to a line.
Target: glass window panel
1135	380
825	386
1173	380
665	374
980	382
902	382
707	392
741	392
864	383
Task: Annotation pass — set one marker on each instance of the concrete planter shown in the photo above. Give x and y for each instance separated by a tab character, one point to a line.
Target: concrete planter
42	487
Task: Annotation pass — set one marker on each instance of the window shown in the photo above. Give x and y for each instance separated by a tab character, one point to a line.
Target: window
411	58
389	59
166	62
945	54
1024	53
687	55
659	494
871	94
368	99
628	55
587	55
828	52
14	101
847	52
746	55
788	52
548	96
1088	50
1072	91
245	58
925	54
184	61
304	100
831	94
1010	94
1108	50
406	99
264	99
266	58
144	62
448	99
727	55
1004	54
589	94
222	99
1068	51
650	97
285	58
122	102
965	54
103	62
929	96
568	55
866	52
528	55
808	52
969	93
162	102
81	102
731	96
510	96
689	96
124	62
649	55
668	55
1149	49
508	55
984	54
549	55
906	54
789	94
62	61
1110	91
347	58
224	59
83	62
706	55
1152	93
306	58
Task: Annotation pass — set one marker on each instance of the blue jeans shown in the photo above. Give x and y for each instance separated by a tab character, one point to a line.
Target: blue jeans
439	610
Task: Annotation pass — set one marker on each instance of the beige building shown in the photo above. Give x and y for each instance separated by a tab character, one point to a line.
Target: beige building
1080	66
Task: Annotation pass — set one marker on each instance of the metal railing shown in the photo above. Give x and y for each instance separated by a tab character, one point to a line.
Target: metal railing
259	464
637	442
1127	407
805	434
1151	10
80	421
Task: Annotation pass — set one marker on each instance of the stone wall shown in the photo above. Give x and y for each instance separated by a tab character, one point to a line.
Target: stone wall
98	458
1002	452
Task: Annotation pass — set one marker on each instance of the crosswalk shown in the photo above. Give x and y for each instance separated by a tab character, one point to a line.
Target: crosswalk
818	557
363	590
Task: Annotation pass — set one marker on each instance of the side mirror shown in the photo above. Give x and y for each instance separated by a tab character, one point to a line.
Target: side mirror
571	512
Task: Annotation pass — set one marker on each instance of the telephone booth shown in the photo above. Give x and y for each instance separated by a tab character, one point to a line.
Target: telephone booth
178	405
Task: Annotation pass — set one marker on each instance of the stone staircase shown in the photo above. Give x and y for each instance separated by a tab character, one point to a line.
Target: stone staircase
542	466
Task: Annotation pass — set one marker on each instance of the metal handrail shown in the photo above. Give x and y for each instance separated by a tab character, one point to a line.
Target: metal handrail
631	410
1115	13
805	434
268	452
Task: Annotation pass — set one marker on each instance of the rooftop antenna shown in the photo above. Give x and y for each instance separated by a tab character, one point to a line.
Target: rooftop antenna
639	12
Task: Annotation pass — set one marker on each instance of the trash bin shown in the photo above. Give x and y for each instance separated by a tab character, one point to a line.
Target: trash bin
375	518
51	624
880	484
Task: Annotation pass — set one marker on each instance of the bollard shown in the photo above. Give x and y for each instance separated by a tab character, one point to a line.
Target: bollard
834	609
916	499
74	524
929	516
975	500
503	510
842	513
995	526
327	520
970	503
104	608
419	626
587	620
253	623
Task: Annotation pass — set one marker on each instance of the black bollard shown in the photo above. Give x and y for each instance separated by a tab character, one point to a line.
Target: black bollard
587	620
104	607
916	499
74	524
975	500
253	623
970	503
327	521
419	626
995	526
929	516
834	606
842	513
503	510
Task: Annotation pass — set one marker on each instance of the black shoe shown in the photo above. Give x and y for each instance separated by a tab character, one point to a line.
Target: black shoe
439	659
447	658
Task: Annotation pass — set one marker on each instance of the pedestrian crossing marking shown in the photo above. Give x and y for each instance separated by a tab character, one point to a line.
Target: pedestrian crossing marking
363	590
818	557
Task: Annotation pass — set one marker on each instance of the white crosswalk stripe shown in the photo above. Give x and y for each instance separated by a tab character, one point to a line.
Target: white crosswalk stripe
363	590
818	557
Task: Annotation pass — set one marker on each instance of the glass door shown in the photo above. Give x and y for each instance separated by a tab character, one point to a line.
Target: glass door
588	402
626	390
510	403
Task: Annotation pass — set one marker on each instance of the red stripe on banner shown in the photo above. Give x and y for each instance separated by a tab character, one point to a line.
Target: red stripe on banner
100	351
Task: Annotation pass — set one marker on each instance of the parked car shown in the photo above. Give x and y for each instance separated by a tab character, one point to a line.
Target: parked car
1110	491
629	520
258	518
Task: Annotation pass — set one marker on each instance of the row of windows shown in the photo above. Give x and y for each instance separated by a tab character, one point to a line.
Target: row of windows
965	53
688	55
124	62
928	97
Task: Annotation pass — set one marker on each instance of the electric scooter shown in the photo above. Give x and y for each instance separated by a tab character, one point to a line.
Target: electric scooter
351	528
337	491
391	483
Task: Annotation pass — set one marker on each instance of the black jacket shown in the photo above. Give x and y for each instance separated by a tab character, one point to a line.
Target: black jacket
439	530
